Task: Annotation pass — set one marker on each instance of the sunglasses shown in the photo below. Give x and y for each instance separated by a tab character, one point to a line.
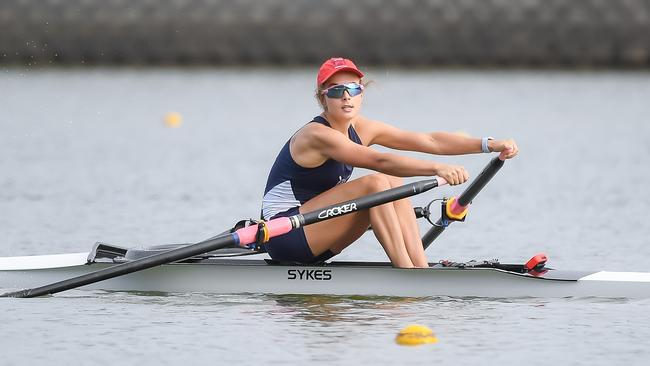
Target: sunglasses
337	91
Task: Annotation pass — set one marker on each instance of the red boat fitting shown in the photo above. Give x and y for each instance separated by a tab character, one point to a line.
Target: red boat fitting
536	263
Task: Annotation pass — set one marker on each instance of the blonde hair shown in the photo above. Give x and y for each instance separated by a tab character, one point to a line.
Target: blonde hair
320	98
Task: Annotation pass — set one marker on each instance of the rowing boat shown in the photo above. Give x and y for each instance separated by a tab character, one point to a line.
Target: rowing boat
233	272
221	264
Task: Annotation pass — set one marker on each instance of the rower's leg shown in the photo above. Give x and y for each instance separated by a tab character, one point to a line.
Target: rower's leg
338	233
408	224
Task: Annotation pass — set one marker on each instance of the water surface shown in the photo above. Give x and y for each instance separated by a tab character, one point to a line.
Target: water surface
85	156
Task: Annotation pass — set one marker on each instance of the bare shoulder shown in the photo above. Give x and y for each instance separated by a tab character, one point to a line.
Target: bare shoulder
307	144
368	129
363	122
310	133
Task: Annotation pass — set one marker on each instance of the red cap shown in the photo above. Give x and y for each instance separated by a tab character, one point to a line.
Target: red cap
334	65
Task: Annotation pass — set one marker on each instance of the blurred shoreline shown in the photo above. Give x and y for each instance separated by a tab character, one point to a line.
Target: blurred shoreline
410	33
312	68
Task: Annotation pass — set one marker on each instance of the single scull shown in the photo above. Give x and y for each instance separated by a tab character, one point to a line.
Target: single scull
216	273
217	265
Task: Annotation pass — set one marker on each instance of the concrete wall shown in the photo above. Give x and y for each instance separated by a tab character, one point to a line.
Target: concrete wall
610	33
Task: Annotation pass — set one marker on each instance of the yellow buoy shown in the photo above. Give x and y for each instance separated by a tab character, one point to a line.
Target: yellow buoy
173	119
414	335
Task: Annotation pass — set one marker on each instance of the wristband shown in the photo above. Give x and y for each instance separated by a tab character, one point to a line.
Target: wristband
484	144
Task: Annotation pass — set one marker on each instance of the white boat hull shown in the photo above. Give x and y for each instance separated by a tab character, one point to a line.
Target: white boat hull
339	278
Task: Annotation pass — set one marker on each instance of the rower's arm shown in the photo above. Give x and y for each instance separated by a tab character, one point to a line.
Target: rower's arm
439	143
332	144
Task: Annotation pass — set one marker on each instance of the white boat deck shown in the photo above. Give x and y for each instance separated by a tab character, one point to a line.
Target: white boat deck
618	276
42	261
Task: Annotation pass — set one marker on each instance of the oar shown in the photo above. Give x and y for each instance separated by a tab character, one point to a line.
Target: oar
243	236
458	206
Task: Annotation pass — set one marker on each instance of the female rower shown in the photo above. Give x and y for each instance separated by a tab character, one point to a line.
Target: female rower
313	168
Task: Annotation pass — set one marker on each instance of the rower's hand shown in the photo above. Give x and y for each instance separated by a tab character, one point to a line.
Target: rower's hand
453	174
507	147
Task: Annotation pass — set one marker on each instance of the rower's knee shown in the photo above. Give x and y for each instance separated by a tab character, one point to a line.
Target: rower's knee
395	181
377	182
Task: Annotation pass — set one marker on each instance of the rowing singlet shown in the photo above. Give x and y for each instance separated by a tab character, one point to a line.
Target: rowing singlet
290	185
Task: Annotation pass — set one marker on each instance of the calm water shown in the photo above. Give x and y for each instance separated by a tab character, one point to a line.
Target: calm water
85	156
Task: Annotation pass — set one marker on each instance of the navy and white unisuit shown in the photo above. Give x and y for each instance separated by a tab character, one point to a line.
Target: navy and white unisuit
288	186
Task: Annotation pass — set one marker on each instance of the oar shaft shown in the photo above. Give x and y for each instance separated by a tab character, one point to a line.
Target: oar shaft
376	199
466	197
242	236
126	268
283	225
483	178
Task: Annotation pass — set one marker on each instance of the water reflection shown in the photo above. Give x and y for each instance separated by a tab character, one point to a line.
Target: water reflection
334	309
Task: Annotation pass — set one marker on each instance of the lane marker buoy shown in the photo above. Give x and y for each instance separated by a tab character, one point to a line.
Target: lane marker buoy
414	335
173	119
